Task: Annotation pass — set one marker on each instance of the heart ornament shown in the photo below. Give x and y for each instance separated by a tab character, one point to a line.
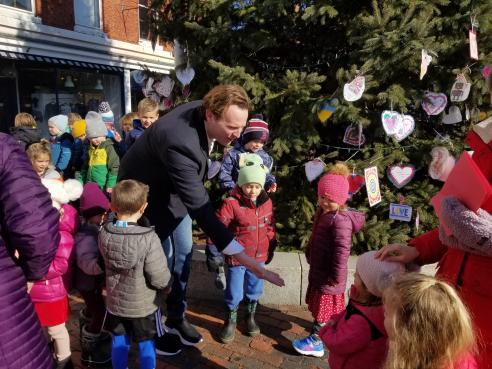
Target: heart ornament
460	90
164	87
392	121
326	109
400	175
185	75
138	76
314	169
213	168
453	116
166	103
353	91
434	103
353	136
405	129
356	182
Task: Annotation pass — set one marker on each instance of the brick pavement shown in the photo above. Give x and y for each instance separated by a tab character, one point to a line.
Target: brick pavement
271	350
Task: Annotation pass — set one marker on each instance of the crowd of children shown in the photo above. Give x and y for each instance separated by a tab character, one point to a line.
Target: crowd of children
105	244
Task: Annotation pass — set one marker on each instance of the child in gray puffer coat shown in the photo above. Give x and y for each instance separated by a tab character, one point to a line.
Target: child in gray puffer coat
136	271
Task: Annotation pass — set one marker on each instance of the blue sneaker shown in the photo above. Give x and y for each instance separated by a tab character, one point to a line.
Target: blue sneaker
311	346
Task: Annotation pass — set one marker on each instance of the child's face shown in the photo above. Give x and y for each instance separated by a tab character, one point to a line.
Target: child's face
251	190
254	145
326	204
40	164
148	118
52	129
96	141
127	127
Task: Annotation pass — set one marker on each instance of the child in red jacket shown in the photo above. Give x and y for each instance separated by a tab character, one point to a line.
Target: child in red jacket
356	336
248	213
327	254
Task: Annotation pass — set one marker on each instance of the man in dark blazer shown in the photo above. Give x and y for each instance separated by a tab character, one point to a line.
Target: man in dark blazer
171	157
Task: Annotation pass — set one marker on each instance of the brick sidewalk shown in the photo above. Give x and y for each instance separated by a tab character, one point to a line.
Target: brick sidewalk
271	350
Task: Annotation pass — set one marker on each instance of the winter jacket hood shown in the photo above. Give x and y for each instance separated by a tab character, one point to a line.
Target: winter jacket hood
25	135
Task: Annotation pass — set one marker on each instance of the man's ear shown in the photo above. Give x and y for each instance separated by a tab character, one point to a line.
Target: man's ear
209	116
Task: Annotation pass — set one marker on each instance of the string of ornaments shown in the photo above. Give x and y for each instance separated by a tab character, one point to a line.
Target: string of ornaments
400	126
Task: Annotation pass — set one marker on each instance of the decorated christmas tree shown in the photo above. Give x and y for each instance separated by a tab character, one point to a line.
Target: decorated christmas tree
369	83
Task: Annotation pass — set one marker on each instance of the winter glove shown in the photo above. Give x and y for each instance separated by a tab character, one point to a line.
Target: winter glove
472	232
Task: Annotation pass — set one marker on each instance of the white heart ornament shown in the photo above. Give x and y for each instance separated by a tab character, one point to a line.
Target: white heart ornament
460	89
453	116
392	121
400	175
213	168
185	75
165	86
313	169
353	91
434	103
406	128
138	76
150	82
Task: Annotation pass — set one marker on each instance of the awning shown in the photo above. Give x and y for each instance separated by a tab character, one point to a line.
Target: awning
59	61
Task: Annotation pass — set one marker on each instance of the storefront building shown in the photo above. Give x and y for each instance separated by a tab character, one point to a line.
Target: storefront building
67	56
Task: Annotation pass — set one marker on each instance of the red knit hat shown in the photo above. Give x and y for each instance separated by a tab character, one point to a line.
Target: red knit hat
335	184
256	129
93	201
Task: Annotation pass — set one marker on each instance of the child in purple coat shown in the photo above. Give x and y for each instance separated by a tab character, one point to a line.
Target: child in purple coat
327	254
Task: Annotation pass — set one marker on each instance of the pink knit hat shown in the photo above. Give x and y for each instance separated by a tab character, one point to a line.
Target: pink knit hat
335	186
377	274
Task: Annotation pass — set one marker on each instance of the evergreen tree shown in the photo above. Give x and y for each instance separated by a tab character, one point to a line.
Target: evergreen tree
292	56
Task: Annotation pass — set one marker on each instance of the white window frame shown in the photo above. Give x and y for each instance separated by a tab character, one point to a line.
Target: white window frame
21	14
89	30
146	43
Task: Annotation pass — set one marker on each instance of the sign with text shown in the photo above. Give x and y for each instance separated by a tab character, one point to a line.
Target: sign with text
400	212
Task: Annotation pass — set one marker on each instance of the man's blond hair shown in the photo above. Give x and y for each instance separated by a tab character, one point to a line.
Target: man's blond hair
222	96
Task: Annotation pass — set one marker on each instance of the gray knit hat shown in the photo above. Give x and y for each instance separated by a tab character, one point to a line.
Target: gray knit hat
95	126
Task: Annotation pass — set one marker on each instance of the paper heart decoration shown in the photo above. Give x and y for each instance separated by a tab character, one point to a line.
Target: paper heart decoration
391	121
166	103
353	91
434	103
326	109
400	175
313	169
356	182
353	137
453	116
406	127
164	87
150	82
460	90
486	71
424	64
186	91
138	76
213	168
185	75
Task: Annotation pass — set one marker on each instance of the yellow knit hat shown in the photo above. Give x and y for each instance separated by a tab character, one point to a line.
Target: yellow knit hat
78	128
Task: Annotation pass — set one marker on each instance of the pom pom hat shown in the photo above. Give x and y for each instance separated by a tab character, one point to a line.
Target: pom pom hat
334	185
256	129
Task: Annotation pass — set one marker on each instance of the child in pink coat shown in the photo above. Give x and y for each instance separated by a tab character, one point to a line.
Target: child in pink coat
356	337
49	294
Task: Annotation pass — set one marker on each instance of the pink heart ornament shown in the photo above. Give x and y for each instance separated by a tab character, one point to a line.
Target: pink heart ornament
434	103
164	87
314	169
185	75
406	128
400	175
352	136
391	120
353	91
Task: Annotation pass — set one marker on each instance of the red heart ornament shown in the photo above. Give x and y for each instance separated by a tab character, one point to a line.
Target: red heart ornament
356	182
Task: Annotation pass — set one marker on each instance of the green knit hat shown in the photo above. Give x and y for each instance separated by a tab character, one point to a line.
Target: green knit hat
251	170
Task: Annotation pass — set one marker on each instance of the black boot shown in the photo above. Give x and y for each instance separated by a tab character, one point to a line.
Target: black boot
229	330
84	319
252	327
96	348
64	364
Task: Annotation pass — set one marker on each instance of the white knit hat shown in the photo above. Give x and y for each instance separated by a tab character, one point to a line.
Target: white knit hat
59	121
377	274
63	192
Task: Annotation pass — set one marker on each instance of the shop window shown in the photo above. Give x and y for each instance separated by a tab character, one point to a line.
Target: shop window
87	13
19	4
146	17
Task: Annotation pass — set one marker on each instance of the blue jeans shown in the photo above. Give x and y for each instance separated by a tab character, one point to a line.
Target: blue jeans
178	248
240	282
